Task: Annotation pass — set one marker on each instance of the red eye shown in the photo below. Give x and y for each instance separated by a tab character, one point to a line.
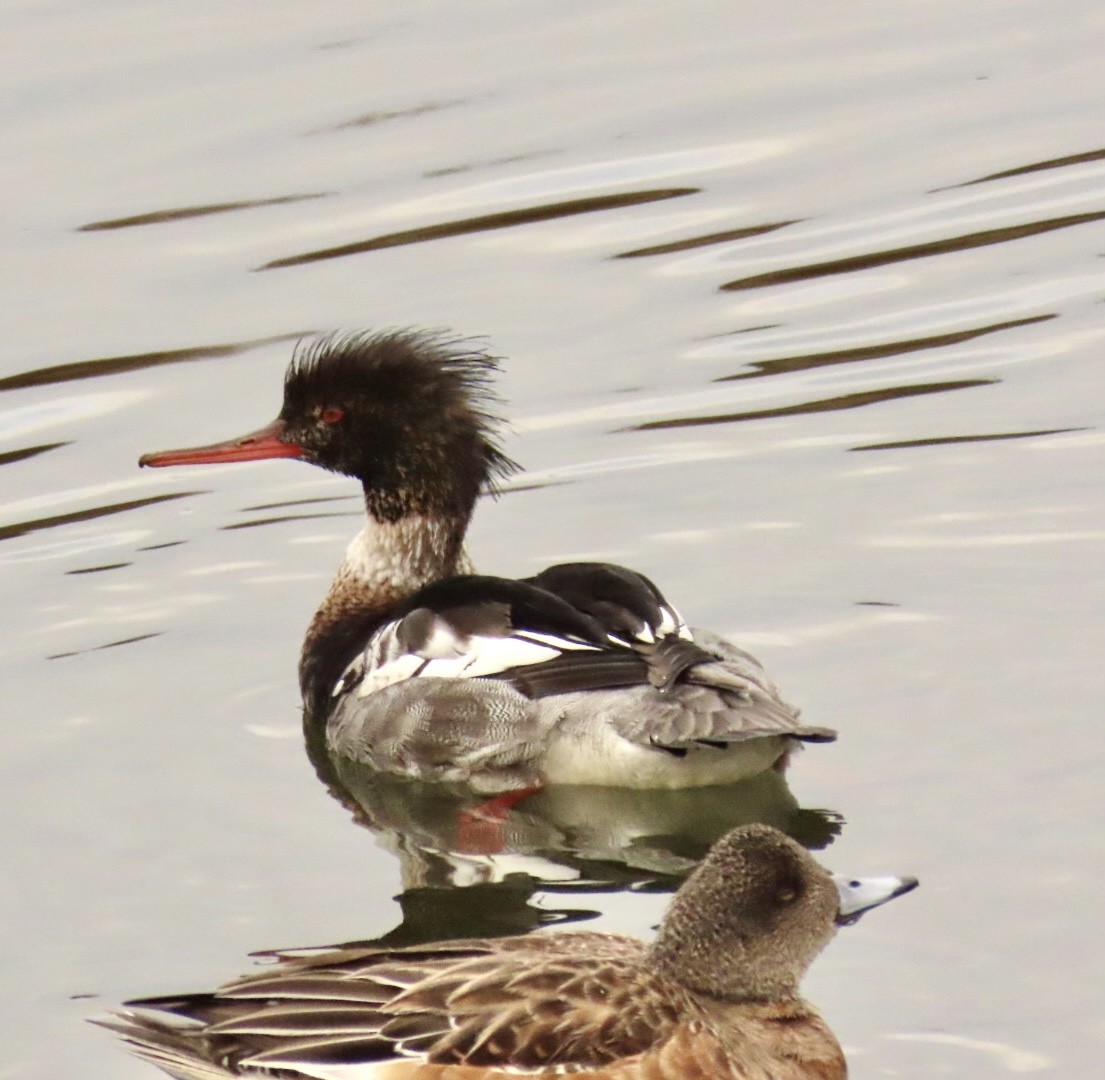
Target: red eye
331	414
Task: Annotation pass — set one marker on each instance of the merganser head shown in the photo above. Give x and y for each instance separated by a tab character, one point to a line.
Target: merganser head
405	412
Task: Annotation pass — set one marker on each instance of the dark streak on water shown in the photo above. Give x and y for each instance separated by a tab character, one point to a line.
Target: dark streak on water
10	532
950	439
99	569
108	645
161	217
705	241
12	456
537	485
844	401
911	251
372	118
740	330
111	873
296	502
490	163
874	352
484	223
286	517
1036	166
117	365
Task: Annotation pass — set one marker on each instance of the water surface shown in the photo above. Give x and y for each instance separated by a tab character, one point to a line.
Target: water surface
802	316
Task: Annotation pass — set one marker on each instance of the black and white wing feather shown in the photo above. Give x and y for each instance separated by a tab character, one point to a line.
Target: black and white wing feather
472	627
576	626
585	646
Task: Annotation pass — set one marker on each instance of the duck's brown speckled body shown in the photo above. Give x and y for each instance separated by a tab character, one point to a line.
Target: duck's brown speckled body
715	997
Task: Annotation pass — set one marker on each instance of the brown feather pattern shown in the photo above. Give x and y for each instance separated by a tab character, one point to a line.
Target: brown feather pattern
586	1005
713	998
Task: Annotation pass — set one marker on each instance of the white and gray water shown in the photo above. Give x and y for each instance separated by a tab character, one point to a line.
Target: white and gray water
802	315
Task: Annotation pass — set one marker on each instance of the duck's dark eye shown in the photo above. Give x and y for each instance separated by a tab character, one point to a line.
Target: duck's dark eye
331	414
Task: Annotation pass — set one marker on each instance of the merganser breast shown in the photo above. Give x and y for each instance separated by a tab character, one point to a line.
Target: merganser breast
418	666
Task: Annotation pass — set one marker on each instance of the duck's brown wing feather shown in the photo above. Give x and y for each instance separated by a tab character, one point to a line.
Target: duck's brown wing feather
579	999
534	1008
586	1001
583	1005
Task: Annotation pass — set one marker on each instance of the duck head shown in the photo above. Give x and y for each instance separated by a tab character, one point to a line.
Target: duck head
755	913
405	412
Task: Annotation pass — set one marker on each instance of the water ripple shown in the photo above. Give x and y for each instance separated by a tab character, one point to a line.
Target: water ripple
22	528
181	213
871	259
1036	166
117	365
946	440
833	404
805	361
503	219
11	456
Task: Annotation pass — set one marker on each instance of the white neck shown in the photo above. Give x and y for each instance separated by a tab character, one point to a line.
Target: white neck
390	560
387	561
384	564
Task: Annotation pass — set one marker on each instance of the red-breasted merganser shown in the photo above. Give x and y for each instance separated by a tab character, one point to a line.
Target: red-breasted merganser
715	995
581	674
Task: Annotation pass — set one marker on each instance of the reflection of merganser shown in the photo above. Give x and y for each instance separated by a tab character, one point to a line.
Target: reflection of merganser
568	834
715	995
581	674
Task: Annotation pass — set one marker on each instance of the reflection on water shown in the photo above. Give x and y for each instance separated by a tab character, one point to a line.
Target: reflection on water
1038	166
889	256
118	365
472	166
97	569
633	281
382	116
844	401
498	908
947	440
565	840
9	457
181	213
807	361
108	645
280	519
300	502
504	219
692	242
22	528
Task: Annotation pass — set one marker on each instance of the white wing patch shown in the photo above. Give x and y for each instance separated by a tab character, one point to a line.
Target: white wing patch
558	643
672	623
427	644
442	642
444	653
489	656
395	671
